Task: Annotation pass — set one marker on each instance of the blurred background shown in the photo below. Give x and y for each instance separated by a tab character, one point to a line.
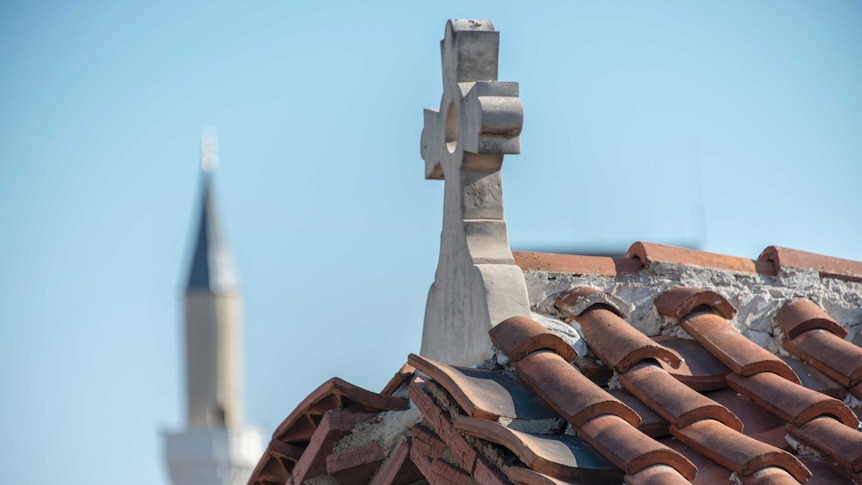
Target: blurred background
728	127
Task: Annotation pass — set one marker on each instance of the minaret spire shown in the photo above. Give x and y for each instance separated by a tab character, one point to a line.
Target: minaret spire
215	448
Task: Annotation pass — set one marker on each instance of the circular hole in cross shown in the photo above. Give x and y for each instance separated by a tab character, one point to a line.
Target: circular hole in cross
451	128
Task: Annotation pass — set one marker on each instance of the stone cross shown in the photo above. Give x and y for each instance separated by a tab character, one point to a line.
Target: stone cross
476	284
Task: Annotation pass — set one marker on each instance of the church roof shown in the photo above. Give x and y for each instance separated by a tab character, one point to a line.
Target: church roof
212	264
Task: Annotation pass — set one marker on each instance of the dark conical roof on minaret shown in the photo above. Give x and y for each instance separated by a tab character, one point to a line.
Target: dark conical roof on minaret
212	265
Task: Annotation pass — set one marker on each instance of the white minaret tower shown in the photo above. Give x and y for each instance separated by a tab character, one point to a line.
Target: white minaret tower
215	448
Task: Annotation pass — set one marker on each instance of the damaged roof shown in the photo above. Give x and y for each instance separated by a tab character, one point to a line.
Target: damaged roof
698	401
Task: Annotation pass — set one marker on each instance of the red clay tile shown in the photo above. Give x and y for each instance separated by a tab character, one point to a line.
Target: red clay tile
484	393
617	343
428	444
461	450
815	380
575	264
649	253
332	394
630	449
708	471
741	355
827	266
355	466
698	369
487	474
448	474
791	402
656	475
560	456
426	453
841	443
755	419
595	370
284	450
826	472
576	301
517	337
679	301
801	314
735	451
525	476
831	355
400	470
402	377
671	399
336	424
652	424
569	392
770	476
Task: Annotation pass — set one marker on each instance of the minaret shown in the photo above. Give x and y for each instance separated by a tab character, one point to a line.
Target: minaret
215	448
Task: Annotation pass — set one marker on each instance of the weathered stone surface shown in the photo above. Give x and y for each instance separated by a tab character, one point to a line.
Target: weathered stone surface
479	120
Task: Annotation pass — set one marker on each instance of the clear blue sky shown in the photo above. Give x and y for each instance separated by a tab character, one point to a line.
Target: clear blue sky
734	125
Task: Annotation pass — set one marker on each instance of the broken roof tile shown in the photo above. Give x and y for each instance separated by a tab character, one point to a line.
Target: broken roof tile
484	393
519	336
355	466
698	369
740	354
441	421
828	353
649	253
486	473
736	451
826	265
569	392
835	439
630	449
801	314
671	399
335	425
399	379
679	301
560	456
791	402
617	343
575	264
400	470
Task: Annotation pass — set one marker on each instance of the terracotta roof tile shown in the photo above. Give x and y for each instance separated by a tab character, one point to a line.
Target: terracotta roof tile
815	380
426	453
736	451
840	442
335	425
741	355
400	470
617	343
698	369
649	253
560	456
483	393
801	314
575	301
791	402
630	449
594	370
355	466
770	476
517	337
828	353
487	474
826	265
679	301
525	476
400	378
656	475
441	420
575	264
671	399
755	419
569	392
652	424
